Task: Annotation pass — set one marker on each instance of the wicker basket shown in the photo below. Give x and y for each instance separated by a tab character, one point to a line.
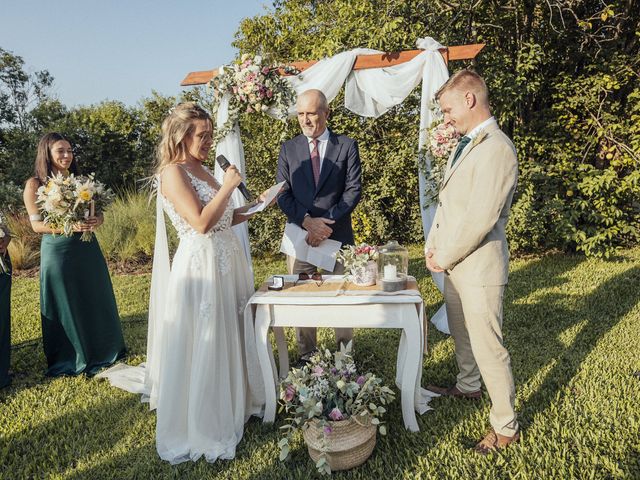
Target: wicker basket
349	444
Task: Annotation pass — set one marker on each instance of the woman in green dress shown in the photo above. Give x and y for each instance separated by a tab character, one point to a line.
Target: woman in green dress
81	329
5	306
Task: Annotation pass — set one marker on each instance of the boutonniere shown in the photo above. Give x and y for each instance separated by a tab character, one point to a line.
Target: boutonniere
479	138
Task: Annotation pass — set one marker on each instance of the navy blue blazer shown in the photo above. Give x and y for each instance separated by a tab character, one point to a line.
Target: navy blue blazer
338	191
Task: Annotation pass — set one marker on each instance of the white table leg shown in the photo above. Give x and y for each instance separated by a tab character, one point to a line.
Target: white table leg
410	371
262	323
283	351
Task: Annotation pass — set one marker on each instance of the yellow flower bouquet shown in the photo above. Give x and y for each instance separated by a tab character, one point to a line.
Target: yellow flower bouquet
67	200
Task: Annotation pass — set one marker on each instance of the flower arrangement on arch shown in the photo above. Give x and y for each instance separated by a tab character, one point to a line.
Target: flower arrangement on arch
253	87
330	389
65	201
441	141
353	257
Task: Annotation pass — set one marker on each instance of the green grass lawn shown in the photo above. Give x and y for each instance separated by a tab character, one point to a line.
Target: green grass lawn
572	326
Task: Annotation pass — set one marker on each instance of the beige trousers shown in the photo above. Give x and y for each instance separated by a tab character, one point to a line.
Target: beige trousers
475	322
306	337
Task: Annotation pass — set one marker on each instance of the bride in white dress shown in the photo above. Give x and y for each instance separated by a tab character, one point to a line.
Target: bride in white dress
201	372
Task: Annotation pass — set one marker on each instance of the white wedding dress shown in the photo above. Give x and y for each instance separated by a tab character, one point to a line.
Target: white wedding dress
201	373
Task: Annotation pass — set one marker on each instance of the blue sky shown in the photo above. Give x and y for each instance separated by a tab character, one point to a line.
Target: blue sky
121	49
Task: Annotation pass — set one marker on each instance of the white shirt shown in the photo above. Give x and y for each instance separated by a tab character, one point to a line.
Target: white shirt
323	139
474	133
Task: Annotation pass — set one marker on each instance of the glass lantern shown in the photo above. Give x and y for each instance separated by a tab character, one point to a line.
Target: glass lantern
393	266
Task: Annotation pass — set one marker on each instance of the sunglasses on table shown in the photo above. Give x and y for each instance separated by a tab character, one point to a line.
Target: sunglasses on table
317	277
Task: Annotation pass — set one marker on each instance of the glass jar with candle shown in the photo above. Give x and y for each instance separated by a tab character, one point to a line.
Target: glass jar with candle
393	266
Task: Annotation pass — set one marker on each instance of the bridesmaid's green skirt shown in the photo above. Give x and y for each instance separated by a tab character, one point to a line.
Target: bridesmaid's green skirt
81	329
5	323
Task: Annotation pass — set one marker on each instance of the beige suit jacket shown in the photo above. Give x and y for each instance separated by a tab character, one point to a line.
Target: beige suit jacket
468	230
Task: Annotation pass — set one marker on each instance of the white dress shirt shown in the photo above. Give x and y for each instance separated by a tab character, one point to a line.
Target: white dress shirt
474	132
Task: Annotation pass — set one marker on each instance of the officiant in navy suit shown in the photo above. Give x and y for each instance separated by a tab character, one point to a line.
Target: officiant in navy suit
321	171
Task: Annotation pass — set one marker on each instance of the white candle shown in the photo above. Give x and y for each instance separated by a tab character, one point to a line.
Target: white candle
390	272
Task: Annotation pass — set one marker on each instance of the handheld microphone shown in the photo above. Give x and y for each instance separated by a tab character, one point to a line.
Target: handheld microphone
224	164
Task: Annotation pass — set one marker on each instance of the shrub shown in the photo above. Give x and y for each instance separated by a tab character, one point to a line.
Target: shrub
10	197
128	230
24	248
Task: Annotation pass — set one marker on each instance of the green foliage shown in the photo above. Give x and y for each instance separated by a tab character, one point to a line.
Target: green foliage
19	90
10	196
128	232
572	326
563	85
106	138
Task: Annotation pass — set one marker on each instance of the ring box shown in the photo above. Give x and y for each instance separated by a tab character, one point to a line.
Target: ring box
277	283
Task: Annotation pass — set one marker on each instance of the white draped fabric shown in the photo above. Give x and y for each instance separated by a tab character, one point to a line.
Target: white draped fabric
231	147
369	93
143	379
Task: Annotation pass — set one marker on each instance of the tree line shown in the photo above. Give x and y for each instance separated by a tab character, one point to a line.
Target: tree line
563	77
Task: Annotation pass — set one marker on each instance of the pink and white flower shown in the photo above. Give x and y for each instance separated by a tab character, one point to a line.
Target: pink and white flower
336	415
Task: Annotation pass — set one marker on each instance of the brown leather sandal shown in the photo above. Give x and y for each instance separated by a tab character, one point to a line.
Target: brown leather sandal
494	441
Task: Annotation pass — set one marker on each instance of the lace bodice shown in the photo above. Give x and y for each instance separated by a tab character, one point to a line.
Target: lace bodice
205	193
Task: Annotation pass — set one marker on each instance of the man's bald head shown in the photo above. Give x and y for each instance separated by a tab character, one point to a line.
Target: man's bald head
314	96
313	112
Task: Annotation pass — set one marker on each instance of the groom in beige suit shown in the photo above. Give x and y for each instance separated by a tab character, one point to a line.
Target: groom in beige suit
467	241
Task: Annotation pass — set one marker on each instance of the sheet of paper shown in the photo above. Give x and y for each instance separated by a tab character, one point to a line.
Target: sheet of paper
324	255
294	244
271	194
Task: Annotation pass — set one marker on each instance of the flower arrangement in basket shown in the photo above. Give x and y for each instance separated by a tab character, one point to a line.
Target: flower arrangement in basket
360	261
338	409
442	139
65	201
253	87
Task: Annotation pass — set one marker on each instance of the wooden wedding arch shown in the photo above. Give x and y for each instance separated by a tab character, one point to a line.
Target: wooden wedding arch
377	60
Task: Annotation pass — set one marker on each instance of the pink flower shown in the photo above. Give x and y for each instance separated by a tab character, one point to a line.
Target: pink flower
289	393
317	371
265	70
327	430
336	414
360	381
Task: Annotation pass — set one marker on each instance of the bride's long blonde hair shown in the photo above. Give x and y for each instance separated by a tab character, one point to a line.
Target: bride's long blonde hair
175	128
